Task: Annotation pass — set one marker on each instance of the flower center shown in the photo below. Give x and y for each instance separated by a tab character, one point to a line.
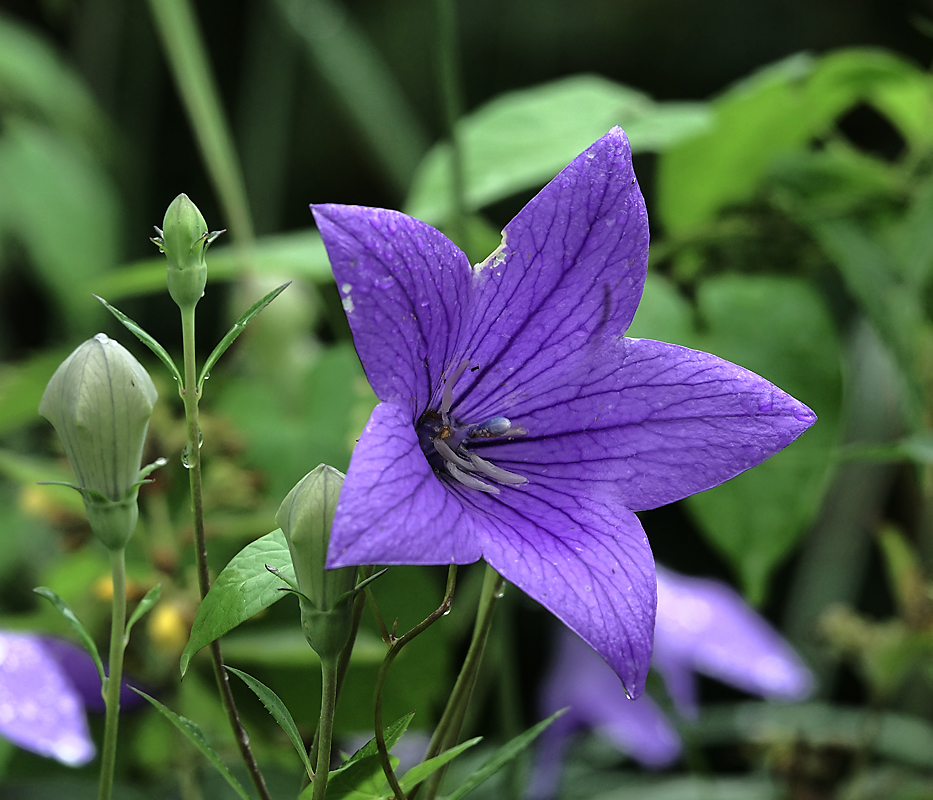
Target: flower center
445	442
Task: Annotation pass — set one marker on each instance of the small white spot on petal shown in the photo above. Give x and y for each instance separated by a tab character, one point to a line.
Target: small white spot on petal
348	304
346	288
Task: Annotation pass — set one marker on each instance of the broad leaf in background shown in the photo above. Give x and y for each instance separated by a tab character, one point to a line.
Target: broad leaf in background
324	417
780	329
520	140
775	111
244	588
62	208
37	81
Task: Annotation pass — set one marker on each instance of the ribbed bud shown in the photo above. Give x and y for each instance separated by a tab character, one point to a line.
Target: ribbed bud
305	516
184	239
99	401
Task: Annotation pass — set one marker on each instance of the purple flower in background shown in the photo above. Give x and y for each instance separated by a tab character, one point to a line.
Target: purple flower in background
517	423
40	708
702	626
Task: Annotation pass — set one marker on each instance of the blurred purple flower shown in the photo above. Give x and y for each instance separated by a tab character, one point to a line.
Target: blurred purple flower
702	626
517	423
40	708
47	686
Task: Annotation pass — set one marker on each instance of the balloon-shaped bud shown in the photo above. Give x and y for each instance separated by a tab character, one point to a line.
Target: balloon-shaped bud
99	401
305	516
184	239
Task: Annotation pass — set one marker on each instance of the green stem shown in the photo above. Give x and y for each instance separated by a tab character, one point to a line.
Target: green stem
115	678
395	645
191	397
448	729
326	726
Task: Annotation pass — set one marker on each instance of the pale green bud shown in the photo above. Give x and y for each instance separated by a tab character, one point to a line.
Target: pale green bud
99	401
184	239
306	516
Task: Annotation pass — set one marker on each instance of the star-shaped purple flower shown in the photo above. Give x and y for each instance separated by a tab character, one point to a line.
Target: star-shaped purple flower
517	423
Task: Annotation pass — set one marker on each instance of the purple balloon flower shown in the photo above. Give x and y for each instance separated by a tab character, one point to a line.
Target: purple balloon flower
517	422
702	626
40	708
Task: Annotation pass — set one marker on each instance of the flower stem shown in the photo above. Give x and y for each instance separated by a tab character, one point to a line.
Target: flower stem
448	729
115	677
192	459
395	645
326	726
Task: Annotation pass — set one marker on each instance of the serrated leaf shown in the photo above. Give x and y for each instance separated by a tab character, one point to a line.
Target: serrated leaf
244	588
196	736
503	756
277	709
238	327
363	780
391	734
71	618
146	339
142	607
427	768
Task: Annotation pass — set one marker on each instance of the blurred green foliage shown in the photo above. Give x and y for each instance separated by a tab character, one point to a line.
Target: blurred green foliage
782	232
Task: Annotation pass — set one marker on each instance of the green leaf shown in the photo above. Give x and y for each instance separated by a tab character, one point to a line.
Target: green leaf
146	339
143	607
244	588
503	756
278	710
870	273
780	329
361	776
22	385
196	736
774	112
37	81
238	327
522	139
391	734
71	618
418	773
47	178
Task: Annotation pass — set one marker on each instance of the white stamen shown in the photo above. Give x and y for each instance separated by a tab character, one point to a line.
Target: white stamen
447	453
447	400
490	470
468	480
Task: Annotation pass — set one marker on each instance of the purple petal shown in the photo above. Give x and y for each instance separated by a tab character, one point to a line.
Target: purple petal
40	710
406	290
581	681
658	420
392	508
583	557
567	277
706	626
81	671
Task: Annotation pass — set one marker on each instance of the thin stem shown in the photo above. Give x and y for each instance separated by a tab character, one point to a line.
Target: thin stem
190	395
329	673
394	647
448	729
115	677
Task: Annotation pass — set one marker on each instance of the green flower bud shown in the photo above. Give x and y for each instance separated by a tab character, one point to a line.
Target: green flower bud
305	516
184	239
99	401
